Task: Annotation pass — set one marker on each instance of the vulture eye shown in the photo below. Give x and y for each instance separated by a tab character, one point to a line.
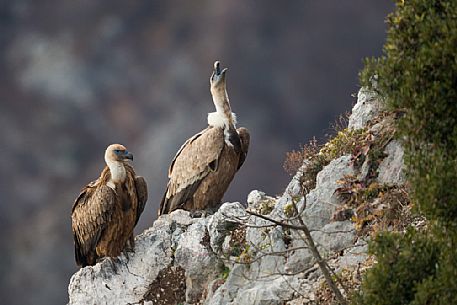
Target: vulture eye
117	151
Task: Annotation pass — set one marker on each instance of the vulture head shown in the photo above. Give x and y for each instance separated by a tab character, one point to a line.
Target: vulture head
117	153
217	79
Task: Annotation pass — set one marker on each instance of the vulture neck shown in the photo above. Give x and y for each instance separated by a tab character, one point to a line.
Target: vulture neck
223	117
117	170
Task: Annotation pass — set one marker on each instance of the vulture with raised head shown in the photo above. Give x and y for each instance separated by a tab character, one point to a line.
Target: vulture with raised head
107	209
204	166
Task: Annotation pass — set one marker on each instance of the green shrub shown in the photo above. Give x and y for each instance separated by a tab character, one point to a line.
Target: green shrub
441	288
392	281
417	76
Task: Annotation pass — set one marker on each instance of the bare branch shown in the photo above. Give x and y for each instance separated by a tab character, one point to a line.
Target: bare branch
305	272
306	237
321	262
279	223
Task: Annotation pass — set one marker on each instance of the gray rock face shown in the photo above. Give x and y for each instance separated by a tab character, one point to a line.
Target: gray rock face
223	222
125	280
194	255
367	107
335	236
390	171
263	282
273	292
322	201
197	246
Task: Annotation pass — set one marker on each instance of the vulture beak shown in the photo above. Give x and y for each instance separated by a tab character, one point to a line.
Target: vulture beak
128	155
223	73
218	74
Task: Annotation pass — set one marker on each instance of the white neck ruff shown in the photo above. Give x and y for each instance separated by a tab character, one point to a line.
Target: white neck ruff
117	170
217	120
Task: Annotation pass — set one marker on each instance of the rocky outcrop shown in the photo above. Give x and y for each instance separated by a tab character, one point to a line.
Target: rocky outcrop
390	170
367	108
234	257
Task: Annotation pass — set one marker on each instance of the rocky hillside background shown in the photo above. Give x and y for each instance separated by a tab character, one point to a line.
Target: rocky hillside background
79	75
343	192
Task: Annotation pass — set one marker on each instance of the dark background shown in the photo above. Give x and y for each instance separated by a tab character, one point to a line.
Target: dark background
76	76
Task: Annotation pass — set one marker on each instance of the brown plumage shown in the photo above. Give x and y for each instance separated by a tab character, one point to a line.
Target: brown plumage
107	209
204	166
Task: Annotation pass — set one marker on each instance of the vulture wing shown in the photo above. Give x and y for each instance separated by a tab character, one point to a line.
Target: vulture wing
142	193
195	159
91	213
245	139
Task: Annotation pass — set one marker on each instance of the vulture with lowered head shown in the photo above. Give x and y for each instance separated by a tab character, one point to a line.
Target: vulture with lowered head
107	209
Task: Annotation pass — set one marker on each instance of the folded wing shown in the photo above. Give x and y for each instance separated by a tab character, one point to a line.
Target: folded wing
91	213
196	158
142	194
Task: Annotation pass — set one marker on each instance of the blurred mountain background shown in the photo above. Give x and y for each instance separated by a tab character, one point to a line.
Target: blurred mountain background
79	75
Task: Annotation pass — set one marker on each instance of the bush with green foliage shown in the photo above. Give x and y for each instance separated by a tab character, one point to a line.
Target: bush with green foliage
392	281
418	76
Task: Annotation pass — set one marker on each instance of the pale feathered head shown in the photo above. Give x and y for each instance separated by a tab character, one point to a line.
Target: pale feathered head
117	153
217	79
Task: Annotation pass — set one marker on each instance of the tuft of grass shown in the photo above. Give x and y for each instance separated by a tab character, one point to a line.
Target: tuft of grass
312	157
225	272
289	210
238	242
375	206
347	277
295	158
344	142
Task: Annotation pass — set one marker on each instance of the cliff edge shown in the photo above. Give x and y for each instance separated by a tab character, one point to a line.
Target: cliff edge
351	187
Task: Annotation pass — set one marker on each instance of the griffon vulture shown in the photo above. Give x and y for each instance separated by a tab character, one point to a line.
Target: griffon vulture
204	166
107	210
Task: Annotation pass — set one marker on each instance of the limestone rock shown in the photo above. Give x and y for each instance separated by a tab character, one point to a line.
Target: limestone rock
390	171
261	203
354	256
272	292
322	201
367	107
223	222
125	280
195	256
335	236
